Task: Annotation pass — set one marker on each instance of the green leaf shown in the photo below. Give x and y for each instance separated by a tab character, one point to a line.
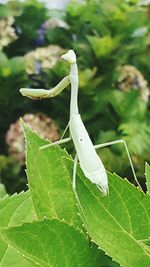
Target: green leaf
102	46
13	211
85	77
49	180
128	104
117	223
14	259
147	173
51	197
52	243
111	221
76	8
3	249
17	65
136	137
2	190
3	59
4	11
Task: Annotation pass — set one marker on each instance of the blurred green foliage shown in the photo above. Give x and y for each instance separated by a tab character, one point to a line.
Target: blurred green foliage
105	35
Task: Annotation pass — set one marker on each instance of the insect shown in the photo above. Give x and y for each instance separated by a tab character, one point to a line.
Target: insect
89	160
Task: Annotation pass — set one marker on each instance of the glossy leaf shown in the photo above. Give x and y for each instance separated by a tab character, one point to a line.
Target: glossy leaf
119	222
49	180
52	243
13	211
147	173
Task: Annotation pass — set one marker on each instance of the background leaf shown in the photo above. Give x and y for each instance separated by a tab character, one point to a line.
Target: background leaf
102	46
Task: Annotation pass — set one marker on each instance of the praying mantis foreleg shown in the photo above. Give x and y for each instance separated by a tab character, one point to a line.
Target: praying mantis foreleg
43	93
121	141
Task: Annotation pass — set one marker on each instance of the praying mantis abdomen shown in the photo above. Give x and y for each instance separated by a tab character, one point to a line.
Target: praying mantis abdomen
90	162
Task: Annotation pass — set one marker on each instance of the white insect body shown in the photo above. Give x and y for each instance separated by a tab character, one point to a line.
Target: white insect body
90	162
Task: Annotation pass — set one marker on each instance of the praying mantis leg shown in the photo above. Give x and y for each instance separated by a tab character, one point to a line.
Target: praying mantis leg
121	141
43	93
65	131
74	173
59	142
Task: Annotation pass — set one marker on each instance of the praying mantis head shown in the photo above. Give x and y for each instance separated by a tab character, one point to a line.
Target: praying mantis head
70	57
100	179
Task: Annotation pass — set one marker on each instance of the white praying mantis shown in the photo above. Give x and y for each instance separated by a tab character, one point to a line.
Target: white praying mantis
90	162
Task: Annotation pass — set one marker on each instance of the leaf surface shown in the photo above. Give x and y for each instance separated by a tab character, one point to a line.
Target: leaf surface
147	172
49	180
51	243
50	184
13	211
118	222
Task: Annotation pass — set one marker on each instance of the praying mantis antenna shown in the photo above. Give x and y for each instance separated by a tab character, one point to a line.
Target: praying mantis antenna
89	160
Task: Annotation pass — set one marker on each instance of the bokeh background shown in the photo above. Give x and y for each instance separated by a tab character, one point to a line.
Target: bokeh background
112	41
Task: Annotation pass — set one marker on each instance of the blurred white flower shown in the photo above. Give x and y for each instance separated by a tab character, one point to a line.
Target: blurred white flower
143	3
7	32
3	1
40	123
131	78
55	22
140	32
42	58
57	4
